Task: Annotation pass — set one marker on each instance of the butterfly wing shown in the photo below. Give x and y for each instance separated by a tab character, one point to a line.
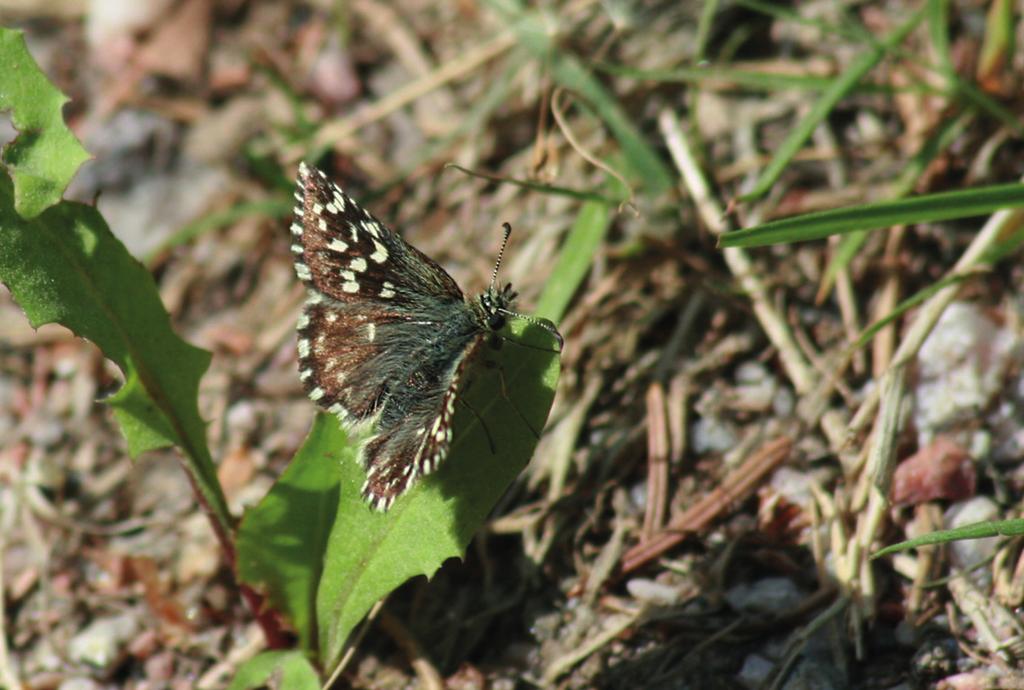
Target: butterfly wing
342	252
364	283
400	454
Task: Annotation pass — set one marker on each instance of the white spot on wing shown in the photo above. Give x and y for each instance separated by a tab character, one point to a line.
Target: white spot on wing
316	394
303	347
338	245
371	331
387	290
358	264
350	287
302	271
380	253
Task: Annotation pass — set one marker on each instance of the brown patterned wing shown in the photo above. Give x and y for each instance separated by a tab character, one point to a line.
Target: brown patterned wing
395	458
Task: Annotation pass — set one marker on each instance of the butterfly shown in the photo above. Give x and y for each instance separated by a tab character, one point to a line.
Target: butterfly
386	336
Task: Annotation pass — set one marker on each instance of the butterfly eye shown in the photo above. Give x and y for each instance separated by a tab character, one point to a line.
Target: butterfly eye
496	321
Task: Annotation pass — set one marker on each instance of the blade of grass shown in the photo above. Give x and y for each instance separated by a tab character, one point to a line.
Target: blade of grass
906	305
980	530
839	88
850	245
580	194
272	208
575	259
571	73
921	209
750	79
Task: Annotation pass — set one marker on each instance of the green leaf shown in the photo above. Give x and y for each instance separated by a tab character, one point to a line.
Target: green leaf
45	155
574	259
926	208
66	267
370	554
979	530
281	542
285	670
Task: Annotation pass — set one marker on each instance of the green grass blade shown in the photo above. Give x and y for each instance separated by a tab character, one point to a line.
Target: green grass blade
749	80
540	187
906	305
980	530
574	260
920	209
939	142
570	73
839	88
271	208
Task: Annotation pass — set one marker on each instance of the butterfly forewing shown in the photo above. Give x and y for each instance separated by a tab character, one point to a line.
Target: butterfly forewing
345	253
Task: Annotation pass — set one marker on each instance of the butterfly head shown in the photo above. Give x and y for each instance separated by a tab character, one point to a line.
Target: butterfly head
495	305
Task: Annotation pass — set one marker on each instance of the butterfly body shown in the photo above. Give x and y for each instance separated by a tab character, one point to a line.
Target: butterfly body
386	335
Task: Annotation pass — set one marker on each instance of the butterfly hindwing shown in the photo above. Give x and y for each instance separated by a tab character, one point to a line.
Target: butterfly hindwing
396	457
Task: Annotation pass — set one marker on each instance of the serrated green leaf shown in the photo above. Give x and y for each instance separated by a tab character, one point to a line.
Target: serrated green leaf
66	267
369	554
45	155
284	670
281	542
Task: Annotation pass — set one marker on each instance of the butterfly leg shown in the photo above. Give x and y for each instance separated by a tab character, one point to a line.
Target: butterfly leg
504	394
490	439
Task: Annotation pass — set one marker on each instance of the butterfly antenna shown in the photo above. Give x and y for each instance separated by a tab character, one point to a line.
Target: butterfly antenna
542	323
529	319
501	253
